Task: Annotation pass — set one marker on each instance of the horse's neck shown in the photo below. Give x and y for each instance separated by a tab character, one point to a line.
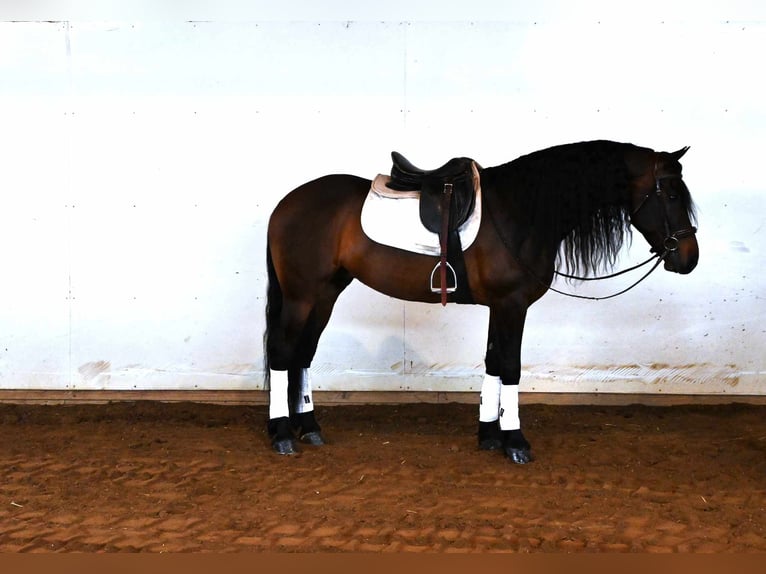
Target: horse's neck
536	207
513	224
545	194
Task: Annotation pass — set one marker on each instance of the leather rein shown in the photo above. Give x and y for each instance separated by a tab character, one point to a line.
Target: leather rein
669	245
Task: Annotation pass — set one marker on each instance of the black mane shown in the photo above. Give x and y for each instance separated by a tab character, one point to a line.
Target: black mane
573	195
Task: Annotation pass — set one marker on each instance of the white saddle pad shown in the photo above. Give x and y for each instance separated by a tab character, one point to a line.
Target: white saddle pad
393	218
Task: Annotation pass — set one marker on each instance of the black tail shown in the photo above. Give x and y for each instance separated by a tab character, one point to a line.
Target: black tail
273	311
274	302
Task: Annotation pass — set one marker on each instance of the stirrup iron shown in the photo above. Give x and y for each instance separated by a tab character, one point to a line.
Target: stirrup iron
450	271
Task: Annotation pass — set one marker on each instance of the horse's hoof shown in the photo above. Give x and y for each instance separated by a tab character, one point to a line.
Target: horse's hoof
313	438
285	446
519	455
490	437
490	444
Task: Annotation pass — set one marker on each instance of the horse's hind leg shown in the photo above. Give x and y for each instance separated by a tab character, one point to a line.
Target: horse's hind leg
284	332
282	439
302	418
292	344
302	401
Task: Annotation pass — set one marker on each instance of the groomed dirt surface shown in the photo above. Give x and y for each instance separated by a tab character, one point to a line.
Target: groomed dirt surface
156	477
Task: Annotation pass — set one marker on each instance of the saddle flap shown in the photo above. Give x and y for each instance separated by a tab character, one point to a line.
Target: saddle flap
462	202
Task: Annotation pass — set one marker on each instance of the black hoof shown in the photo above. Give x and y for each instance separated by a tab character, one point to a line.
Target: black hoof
313	438
519	455
282	440
285	446
516	447
490	437
490	444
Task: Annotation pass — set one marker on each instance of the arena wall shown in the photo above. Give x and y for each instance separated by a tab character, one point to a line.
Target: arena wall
142	154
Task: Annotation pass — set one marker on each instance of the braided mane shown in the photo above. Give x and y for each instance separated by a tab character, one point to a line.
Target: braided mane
575	195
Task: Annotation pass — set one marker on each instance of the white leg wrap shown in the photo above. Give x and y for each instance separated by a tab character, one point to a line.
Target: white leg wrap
509	407
489	407
305	400
278	406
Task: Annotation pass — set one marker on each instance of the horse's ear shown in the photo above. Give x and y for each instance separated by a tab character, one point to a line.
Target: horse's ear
676	155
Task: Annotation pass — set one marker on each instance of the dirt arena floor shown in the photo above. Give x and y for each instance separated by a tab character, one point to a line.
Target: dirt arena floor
160	477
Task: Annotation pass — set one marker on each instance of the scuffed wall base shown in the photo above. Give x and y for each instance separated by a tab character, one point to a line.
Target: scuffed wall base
367	397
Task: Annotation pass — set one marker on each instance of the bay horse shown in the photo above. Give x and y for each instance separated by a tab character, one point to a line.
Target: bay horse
569	206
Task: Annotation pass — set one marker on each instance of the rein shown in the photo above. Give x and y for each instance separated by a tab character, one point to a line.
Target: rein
660	259
617	274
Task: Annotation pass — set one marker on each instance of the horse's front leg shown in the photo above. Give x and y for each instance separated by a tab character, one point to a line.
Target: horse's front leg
499	420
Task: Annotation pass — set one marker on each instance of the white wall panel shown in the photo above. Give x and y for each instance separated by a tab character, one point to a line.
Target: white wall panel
141	158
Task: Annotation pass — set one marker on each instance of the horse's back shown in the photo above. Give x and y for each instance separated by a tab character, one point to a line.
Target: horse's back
324	199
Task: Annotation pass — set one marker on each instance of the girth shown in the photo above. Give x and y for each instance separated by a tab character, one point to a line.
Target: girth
447	199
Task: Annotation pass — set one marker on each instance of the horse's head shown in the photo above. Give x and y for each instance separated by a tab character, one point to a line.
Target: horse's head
663	211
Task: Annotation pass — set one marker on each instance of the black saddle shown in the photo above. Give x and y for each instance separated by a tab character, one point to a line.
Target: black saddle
455	175
447	199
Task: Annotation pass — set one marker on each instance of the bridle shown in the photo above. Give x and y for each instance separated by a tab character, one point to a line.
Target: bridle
669	244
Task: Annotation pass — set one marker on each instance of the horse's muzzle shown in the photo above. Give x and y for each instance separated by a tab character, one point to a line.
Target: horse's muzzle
683	259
